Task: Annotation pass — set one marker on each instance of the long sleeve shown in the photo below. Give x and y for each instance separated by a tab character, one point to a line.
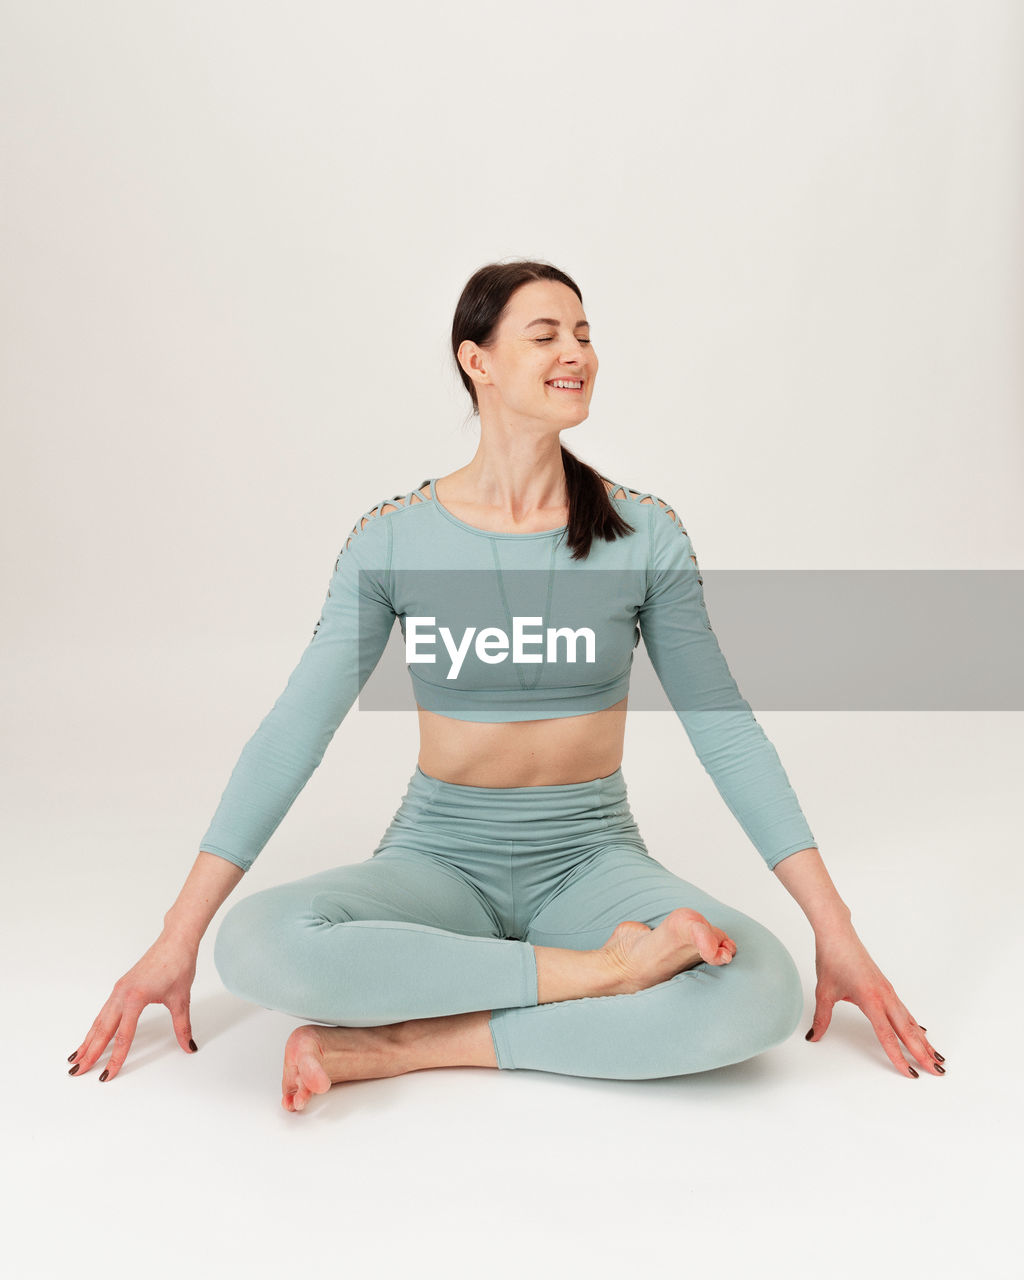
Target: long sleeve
719	722
278	760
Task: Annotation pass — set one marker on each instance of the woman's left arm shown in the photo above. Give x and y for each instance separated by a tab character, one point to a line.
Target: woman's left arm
844	968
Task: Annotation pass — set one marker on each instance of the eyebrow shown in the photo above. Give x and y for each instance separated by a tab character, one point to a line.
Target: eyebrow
547	320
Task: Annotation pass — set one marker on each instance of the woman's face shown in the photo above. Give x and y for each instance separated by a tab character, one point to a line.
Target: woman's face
543	337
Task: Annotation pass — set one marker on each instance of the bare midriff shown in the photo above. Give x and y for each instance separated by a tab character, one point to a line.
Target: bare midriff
523	753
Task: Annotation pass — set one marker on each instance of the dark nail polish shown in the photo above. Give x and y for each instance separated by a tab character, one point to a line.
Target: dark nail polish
74	1068
912	1072
193	1046
809	1034
939	1056
106	1072
922	1028
73	1056
940	1070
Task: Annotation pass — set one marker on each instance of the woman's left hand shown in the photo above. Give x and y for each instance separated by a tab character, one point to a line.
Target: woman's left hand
846	972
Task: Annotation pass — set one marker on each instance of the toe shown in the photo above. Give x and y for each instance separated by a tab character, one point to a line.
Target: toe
704	940
312	1077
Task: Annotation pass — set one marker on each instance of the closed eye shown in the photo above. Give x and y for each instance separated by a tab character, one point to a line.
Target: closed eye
584	341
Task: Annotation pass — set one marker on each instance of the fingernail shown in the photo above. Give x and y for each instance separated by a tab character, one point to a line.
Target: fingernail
922	1028
73	1056
74	1068
939	1056
193	1046
106	1072
912	1072
809	1034
940	1070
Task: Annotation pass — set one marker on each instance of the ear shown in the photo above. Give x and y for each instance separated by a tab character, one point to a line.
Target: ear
471	358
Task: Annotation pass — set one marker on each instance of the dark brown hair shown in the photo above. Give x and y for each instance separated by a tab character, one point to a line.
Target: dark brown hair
479	312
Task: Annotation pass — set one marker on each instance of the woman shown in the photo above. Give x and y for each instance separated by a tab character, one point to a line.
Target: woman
511	915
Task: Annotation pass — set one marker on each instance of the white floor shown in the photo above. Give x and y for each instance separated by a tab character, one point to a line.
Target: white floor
809	1160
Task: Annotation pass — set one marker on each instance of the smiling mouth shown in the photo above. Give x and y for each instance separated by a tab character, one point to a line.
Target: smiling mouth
572	385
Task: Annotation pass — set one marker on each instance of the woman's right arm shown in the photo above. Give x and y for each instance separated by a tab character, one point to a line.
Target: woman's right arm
165	973
355	622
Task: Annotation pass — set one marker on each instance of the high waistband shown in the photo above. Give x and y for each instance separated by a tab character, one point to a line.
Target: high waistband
598	797
473	825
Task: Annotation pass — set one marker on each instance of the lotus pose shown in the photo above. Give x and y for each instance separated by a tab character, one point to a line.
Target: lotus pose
511	915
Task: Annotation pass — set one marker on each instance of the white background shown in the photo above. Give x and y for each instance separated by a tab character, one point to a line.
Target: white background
234	235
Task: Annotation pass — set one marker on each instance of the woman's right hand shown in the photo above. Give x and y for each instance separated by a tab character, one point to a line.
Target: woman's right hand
164	975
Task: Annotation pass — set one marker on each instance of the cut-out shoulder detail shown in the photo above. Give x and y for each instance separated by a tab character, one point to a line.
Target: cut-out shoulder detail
386	508
649	499
621	493
671	513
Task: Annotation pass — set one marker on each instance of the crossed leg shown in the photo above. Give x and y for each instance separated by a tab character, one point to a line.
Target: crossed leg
634	958
406	960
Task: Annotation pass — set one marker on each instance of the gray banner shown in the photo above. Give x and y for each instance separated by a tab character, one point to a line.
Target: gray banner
794	640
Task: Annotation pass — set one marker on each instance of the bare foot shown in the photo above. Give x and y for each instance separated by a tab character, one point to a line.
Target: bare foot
640	957
316	1057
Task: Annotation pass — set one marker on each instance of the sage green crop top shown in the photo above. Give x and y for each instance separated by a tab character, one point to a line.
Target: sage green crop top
508	626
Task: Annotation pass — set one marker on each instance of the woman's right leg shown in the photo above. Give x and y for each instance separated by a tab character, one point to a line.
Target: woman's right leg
394	938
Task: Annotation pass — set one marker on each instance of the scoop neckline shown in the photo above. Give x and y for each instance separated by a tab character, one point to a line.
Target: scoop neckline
485	533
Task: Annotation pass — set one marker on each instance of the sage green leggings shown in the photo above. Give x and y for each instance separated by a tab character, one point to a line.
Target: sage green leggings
444	916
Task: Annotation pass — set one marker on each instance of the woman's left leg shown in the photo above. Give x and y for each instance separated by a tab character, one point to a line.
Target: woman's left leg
707	1016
